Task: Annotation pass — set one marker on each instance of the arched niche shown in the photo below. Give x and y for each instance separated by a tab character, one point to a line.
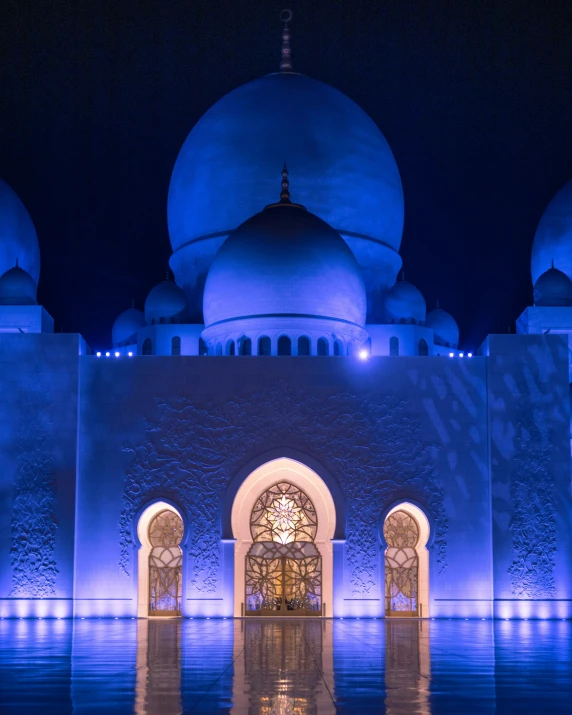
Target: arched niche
143	524
257	482
421	549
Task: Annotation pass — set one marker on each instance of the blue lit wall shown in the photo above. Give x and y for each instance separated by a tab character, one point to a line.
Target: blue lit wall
529	417
181	430
38	430
187	430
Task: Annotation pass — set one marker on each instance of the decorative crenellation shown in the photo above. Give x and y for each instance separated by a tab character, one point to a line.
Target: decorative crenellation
370	443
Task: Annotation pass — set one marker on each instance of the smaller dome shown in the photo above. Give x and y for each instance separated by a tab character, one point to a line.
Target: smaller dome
166	303
126	325
17	288
553	288
444	326
405	303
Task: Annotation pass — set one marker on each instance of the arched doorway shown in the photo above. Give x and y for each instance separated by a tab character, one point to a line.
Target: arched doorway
244	506
160	559
283	565
406	532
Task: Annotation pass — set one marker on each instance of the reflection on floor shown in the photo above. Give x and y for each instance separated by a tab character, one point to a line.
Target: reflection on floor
285	667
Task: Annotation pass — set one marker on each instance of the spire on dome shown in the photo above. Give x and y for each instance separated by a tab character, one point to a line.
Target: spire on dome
552	263
285	192
286	52
437	303
17	266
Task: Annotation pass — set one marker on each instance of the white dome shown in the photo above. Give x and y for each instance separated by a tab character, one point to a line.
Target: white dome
126	326
17	288
166	303
444	326
405	303
553	288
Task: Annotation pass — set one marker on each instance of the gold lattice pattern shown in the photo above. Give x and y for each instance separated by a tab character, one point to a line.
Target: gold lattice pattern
165	561
401	530
401	564
284	514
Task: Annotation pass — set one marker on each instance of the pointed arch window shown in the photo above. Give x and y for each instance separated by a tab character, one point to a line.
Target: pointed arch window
423	347
401	533
165	565
283	565
245	345
394	346
338	348
176	345
230	347
147	348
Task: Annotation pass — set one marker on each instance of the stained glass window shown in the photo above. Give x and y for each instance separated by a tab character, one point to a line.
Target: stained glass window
401	533
165	561
283	565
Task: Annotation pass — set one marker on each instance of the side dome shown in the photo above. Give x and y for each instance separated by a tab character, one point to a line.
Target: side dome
18	239
346	174
405	303
553	288
17	287
444	326
285	267
166	303
126	326
553	238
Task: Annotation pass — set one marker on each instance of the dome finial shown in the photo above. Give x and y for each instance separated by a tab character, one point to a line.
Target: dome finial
285	192
552	263
437	303
286	52
18	266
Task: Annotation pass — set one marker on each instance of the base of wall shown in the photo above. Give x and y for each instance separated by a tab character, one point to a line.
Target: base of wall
36	607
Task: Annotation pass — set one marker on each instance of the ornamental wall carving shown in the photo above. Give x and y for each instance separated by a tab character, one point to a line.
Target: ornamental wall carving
33	523
371	444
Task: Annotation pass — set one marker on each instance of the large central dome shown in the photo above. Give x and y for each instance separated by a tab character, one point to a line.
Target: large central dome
343	169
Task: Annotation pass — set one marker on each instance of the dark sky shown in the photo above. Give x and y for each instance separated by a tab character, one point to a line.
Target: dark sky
474	98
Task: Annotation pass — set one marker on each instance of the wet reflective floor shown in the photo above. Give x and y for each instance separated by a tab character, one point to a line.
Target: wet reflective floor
285	667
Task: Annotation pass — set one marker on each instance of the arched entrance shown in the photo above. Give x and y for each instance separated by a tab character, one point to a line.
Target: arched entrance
283	565
283	519
160	531
406	532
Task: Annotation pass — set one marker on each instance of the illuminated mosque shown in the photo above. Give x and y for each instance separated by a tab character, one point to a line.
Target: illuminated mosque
285	429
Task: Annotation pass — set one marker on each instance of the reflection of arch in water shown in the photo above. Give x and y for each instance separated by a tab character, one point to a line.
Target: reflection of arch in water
407	667
406	533
158	666
159	581
250	491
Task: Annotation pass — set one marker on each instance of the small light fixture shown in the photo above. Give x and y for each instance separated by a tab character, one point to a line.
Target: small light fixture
116	354
106	354
130	354
461	354
98	354
363	354
469	354
451	354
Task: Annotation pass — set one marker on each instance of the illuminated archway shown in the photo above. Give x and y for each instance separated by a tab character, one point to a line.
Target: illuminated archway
406	533
253	487
146	556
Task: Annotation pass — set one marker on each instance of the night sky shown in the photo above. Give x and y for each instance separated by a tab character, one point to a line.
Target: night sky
474	98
